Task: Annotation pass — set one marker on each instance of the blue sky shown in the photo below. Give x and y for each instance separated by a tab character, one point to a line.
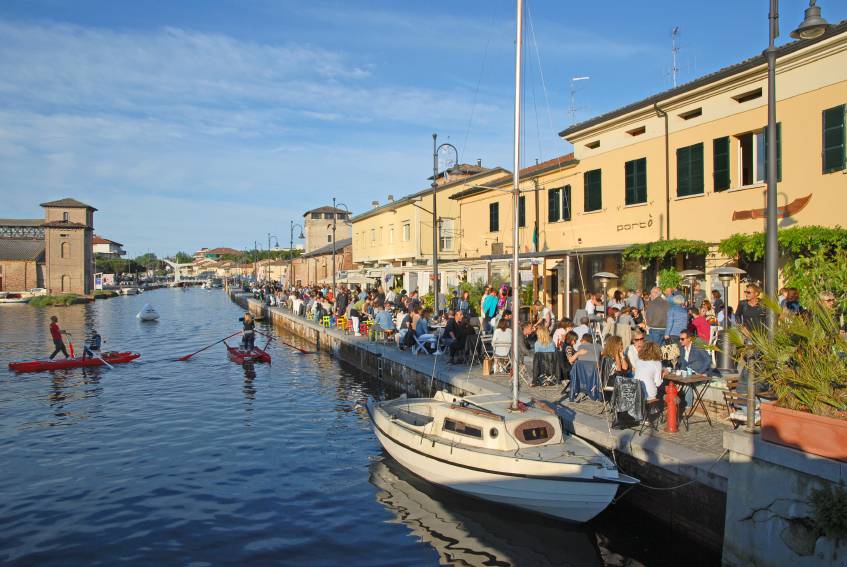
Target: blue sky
201	123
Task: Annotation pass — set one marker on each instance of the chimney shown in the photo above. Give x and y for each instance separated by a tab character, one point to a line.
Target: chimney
375	204
479	162
390	198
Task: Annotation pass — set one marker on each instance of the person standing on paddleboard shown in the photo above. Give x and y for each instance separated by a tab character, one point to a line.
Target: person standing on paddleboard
248	334
56	333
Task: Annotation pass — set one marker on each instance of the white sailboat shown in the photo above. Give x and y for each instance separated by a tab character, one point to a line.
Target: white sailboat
493	447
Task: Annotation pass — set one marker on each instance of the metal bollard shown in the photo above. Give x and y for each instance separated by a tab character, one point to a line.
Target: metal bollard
671	398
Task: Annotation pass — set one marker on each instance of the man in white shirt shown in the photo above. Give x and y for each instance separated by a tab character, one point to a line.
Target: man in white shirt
582	328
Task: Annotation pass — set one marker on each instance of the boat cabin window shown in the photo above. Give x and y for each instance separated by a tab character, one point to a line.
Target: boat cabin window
462	428
534	432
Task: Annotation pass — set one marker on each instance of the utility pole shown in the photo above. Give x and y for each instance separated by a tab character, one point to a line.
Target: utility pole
436	287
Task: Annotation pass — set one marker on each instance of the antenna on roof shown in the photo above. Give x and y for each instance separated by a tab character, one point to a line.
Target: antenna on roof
675	51
572	110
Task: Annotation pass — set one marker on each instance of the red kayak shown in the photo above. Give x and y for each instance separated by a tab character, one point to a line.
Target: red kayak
240	356
59	364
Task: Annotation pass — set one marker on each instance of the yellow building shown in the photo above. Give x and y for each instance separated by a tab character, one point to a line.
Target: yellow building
687	163
392	243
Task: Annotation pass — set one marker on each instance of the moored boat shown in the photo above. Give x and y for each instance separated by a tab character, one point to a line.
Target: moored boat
148	313
11	297
477	445
240	356
59	364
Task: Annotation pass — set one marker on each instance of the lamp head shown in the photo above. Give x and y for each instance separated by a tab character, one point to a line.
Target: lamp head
813	24
302	236
727	273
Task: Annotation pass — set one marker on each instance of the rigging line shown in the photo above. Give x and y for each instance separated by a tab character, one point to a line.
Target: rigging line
476	90
534	103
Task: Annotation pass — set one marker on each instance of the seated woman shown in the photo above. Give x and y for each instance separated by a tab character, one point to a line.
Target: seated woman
649	369
612	361
543	341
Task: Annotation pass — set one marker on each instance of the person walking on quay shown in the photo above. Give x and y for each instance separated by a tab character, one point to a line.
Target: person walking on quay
489	309
656	316
677	319
56	334
751	314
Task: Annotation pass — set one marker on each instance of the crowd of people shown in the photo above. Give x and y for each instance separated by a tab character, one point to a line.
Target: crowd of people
633	333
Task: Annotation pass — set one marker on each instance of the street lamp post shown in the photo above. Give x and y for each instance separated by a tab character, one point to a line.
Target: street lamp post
813	26
291	252
436	283
268	265
334	218
726	275
690	277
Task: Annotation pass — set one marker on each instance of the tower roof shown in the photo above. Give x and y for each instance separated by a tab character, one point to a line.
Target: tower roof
68	203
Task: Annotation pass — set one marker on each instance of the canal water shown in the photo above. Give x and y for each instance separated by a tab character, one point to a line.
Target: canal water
206	462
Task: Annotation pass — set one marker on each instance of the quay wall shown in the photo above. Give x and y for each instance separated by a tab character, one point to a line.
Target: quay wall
688	489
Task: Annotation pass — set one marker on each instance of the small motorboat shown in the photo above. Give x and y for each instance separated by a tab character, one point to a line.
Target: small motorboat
130	291
241	356
10	297
147	313
59	364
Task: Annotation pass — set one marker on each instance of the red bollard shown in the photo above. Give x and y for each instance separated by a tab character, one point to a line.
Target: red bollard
671	395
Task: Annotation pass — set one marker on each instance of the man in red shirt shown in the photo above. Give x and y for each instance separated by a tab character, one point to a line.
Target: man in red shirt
57	333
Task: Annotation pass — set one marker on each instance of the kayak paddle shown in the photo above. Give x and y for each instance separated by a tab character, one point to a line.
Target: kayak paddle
187	356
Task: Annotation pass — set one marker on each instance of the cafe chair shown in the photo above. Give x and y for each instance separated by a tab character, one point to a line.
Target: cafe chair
585	379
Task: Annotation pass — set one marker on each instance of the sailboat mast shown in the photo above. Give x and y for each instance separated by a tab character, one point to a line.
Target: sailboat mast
516	179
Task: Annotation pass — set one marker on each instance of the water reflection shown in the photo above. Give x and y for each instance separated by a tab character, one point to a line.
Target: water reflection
465	531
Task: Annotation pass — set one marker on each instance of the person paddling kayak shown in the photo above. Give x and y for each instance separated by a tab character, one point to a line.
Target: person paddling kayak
92	349
56	333
248	335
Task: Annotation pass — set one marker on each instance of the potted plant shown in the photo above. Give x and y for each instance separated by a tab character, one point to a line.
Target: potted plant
804	363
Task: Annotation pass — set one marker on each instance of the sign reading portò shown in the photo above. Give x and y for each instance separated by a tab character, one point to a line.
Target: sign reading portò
636	225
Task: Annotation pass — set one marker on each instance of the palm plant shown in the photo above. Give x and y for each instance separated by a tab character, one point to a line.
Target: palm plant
804	361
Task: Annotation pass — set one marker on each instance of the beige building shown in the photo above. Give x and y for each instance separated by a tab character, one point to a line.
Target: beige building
392	243
317	227
55	253
687	163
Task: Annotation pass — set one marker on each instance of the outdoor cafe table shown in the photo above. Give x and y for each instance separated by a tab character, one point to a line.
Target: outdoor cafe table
694	381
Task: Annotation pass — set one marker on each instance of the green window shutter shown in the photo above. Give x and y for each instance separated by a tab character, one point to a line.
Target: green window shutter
553	213
522	211
721	174
689	170
494	217
593	190
635	175
778	151
566	203
834	156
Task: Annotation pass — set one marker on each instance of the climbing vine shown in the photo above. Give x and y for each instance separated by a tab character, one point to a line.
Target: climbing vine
798	241
664	248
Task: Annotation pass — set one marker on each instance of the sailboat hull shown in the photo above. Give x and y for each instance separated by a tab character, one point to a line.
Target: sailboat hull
571	497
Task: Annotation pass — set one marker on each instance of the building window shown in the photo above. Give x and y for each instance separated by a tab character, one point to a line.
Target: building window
328	216
391	234
566	203
316	216
522	211
66	216
341	215
834	156
65	250
689	170
751	151
553	210
720	150
446	234
407	232
636	181
66	283
593	190
494	217
373	237
329	238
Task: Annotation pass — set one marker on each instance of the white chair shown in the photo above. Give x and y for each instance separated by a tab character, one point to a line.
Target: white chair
502	355
422	341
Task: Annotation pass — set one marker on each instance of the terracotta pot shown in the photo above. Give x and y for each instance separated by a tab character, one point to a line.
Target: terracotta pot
824	436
